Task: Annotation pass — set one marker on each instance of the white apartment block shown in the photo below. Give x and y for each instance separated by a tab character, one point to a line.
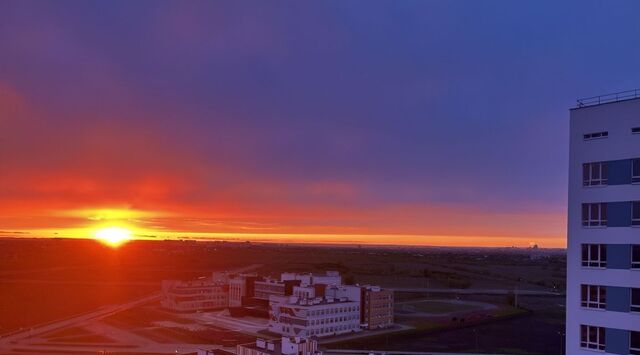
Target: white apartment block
603	255
284	346
320	317
192	296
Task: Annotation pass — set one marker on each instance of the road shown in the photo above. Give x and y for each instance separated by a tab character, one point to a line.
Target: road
246	325
377	352
80	283
102	312
26	341
479	291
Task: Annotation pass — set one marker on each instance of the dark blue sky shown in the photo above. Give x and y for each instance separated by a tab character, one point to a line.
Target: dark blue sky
346	117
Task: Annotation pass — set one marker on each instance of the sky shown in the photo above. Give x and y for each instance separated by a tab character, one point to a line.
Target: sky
394	122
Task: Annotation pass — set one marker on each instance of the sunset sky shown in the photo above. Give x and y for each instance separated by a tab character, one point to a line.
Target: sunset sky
401	122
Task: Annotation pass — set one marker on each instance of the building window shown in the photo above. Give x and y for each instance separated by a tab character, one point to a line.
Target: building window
593	296
635	300
635	130
594	214
594	174
635	170
594	255
596	135
634	343
592	337
635	256
635	213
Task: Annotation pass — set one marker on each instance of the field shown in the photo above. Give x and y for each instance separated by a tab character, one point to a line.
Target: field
435	307
452	299
24	305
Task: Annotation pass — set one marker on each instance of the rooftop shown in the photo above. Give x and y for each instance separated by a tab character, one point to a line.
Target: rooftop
293	300
192	284
608	98
277	346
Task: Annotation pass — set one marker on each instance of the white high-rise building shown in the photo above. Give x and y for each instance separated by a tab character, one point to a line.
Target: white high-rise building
603	257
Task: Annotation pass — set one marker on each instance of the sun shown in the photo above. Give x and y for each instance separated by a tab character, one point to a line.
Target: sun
113	236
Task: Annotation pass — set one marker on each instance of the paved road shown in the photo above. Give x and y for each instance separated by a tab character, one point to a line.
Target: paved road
368	352
479	291
78	349
22	341
103	312
222	319
81	283
410	311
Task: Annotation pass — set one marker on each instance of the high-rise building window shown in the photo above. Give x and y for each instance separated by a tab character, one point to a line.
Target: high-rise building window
592	337
635	256
635	300
635	213
594	174
593	296
635	170
594	255
596	135
594	214
634	343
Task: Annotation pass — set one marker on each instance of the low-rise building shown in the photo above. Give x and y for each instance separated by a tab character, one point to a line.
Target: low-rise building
350	292
268	287
237	290
263	289
192	296
299	305
240	286
377	307
213	351
284	346
308	292
329	278
220	276
321	317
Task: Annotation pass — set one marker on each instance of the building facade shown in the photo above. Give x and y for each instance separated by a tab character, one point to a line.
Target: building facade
192	296
603	255
328	278
237	290
284	346
263	289
319	317
377	307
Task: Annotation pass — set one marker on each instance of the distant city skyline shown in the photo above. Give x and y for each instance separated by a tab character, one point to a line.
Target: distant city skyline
405	122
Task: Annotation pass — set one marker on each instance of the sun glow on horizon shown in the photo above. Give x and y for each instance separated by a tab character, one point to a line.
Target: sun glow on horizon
113	236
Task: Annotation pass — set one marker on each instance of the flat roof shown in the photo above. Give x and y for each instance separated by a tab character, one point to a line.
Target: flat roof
607	99
310	302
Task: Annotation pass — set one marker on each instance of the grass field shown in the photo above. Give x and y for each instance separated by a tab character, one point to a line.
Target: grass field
91	275
24	305
436	307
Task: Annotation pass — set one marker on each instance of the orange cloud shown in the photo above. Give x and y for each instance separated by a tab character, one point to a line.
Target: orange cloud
63	175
